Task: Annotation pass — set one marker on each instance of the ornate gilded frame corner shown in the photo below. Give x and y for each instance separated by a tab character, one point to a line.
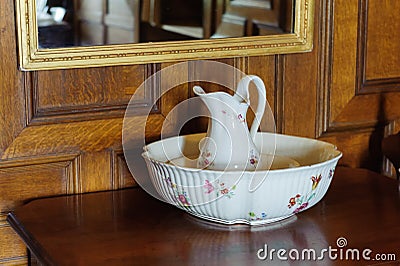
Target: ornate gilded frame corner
33	58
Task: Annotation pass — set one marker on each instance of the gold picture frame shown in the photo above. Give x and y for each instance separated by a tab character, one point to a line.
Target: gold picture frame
33	58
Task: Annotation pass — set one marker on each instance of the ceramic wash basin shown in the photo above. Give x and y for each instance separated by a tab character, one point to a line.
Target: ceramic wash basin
249	197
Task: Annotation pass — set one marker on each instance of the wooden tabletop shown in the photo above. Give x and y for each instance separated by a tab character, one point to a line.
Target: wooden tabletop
359	216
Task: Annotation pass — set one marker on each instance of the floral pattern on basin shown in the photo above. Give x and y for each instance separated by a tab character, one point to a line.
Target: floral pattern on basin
181	195
219	189
301	202
331	172
254	217
283	194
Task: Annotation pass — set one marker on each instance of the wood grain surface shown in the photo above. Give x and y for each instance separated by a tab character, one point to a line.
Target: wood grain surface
129	227
60	130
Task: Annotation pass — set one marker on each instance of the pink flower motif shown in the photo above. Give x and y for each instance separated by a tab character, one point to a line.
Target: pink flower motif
183	200
253	158
209	187
241	118
301	207
169	182
331	173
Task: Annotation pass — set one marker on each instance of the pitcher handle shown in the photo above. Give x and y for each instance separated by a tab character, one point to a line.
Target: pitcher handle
243	92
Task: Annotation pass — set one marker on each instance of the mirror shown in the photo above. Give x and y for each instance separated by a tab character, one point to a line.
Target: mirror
71	33
70	23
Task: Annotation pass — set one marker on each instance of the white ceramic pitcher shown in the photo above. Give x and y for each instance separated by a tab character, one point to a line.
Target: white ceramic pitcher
229	145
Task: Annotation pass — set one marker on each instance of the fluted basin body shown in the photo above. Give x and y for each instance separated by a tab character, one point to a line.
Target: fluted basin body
250	197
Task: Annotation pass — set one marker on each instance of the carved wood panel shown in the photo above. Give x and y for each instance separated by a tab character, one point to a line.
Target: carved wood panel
362	91
12	251
82	94
381	25
32	178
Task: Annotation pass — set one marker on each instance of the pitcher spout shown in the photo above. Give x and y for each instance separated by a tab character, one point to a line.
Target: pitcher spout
199	91
218	95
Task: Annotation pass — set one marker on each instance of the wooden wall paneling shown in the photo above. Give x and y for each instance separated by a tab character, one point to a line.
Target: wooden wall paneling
299	96
356	108
13	250
95	171
360	147
344	54
301	86
279	94
324	66
378	60
65	138
122	178
179	88
382	24
266	68
261	66
25	179
82	94
227	82
204	71
82	160
338	79
12	119
62	129
174	88
133	137
348	107
12	122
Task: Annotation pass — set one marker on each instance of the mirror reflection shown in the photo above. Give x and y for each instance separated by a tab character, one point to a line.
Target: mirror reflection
68	23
